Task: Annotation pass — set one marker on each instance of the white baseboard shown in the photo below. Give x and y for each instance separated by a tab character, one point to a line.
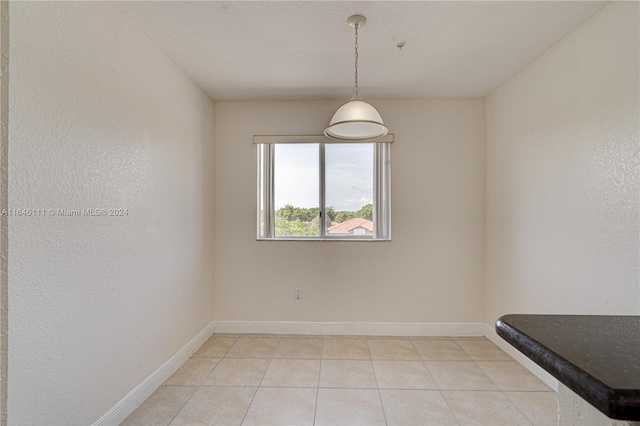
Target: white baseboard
534	368
140	393
351	328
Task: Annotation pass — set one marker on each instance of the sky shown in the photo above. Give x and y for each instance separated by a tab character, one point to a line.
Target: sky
349	175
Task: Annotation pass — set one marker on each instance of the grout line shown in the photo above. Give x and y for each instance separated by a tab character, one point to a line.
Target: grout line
375	376
196	391
450	409
490	379
438	387
258	387
184	405
315	409
516	407
197	386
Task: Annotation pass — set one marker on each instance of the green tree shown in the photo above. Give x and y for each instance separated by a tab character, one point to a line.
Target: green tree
286	212
294	228
330	213
300	221
366	212
343	216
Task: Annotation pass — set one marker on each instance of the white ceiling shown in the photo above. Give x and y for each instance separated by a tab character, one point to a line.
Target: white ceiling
304	50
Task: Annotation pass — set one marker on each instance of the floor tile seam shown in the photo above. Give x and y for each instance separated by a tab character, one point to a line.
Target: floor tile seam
184	405
490	379
493	381
448	360
375	376
472	390
315	408
298	358
201	356
426	368
229	350
255	393
464	350
396	359
229	386
428	371
517	409
253	357
211	372
432	339
446	401
363	388
345	359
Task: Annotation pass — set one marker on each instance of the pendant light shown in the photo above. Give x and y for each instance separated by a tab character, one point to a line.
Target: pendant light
356	120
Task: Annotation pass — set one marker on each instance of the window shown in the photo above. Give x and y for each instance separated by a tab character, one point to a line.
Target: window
309	189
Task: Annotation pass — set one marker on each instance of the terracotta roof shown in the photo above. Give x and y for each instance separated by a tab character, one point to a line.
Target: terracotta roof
349	225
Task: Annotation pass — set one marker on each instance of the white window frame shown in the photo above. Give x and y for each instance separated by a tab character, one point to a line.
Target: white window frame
265	194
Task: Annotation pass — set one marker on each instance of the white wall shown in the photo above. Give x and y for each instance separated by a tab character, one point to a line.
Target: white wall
562	176
433	269
101	118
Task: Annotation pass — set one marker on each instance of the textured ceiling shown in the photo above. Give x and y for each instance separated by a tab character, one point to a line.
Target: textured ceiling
304	50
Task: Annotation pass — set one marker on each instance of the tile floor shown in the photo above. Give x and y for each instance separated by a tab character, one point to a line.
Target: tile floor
349	380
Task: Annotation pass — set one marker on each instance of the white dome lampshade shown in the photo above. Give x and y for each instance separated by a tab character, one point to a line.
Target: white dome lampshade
356	120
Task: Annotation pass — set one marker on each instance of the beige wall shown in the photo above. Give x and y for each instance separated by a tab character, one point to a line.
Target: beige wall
562	176
432	271
4	235
101	118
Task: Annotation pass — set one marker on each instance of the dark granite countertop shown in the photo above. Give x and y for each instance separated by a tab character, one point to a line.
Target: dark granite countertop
598	357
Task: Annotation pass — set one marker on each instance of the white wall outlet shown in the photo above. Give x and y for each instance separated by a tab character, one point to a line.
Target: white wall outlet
298	294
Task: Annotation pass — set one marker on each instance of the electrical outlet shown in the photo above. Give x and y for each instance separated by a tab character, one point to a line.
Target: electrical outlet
298	294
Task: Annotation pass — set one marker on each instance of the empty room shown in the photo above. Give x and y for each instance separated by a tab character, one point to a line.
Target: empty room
320	212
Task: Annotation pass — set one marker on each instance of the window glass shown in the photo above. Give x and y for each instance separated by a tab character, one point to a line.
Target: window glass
333	191
349	172
295	190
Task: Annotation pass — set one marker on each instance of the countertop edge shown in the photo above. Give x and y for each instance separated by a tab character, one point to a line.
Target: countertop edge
614	403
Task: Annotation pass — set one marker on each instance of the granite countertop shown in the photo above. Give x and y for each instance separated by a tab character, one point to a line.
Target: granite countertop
598	357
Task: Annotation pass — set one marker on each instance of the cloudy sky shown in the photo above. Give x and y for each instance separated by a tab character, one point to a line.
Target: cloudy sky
349	175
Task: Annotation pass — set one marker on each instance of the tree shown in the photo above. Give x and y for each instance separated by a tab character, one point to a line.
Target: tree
331	214
289	212
366	212
343	216
300	221
286	212
285	228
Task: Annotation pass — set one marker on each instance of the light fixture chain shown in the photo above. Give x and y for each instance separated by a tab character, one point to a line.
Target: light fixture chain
356	89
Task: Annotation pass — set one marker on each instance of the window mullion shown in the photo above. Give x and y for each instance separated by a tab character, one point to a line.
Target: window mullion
270	182
376	191
322	189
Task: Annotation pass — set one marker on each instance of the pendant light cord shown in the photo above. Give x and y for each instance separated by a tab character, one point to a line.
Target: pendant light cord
356	89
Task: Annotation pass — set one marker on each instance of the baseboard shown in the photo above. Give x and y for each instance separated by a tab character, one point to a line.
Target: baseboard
351	328
140	393
534	368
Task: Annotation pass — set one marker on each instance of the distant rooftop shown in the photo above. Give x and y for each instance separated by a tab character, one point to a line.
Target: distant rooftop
351	224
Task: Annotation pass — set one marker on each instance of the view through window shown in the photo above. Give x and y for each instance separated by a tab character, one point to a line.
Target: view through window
349	189
323	191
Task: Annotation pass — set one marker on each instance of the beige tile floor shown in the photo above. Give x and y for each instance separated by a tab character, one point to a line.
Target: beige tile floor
348	380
